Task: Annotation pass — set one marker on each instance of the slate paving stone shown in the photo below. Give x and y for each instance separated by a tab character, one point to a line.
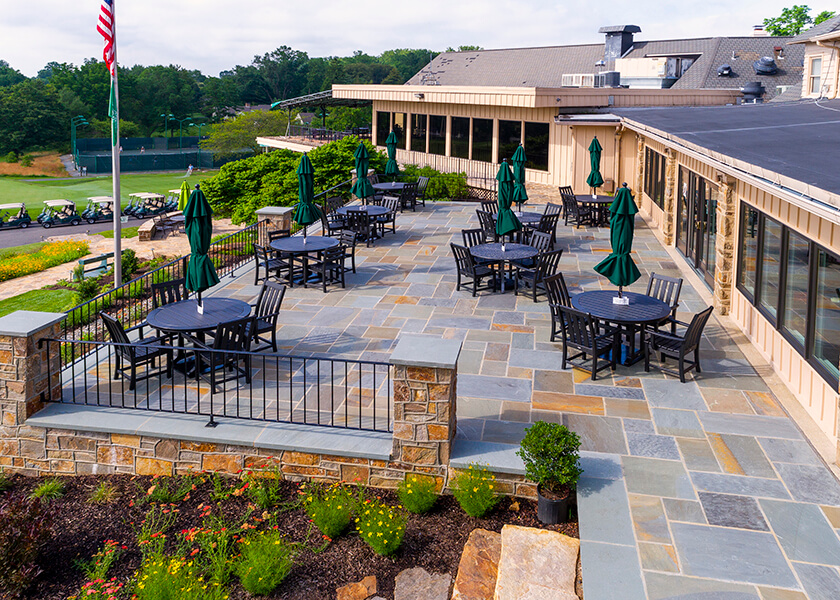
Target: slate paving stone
506	432
664	478
610	569
597	433
634	409
810	483
727	401
688	511
754	425
670	393
599	465
768	593
681	423
649	519
604	511
658	557
608	391
534	359
728	510
698	455
803	532
637	426
653	446
661	586
501	388
789	451
820	582
736	555
737	484
749	455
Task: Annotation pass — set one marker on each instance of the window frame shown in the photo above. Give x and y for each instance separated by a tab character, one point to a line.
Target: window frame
814	78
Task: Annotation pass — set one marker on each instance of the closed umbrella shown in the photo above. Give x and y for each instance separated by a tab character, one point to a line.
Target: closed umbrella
391	167
198	223
362	188
184	197
595	180
520	196
619	267
306	212
506	222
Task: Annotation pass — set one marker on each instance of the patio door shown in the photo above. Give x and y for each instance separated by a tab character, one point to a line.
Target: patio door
697	222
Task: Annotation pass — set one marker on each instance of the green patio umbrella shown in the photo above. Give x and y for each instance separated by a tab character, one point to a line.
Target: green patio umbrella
595	180
391	167
362	188
619	267
198	223
506	222
520	196
185	196
306	212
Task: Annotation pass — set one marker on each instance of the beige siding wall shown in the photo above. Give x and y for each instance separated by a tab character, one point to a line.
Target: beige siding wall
829	72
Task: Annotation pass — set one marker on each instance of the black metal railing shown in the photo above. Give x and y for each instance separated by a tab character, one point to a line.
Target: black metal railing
132	301
327	135
306	390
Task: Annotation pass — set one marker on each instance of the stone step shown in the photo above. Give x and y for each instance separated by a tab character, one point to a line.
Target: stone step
478	567
536	564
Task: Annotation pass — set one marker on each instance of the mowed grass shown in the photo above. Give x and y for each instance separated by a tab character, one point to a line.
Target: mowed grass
33	192
40	300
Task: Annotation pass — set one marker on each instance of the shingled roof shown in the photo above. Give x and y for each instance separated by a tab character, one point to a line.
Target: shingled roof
828	26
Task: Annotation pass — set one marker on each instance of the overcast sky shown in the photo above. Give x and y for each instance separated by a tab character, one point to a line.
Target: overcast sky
213	35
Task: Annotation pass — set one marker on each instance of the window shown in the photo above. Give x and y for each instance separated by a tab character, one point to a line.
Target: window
418	133
536	146
711	225
655	176
510	135
814	75
482	140
797	267
400	122
749	250
826	351
460	137
771	267
437	135
383	127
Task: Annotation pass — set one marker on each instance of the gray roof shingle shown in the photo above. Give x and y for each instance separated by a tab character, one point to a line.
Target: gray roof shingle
827	26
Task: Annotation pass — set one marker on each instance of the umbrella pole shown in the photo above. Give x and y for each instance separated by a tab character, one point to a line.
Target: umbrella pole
200	305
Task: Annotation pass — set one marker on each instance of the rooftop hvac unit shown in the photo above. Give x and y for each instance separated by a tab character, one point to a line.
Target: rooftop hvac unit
608	79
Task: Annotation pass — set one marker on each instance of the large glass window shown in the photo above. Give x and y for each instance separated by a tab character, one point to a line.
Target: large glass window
771	266
437	135
418	133
460	137
510	135
536	146
482	140
827	314
711	225
685	223
815	75
749	249
400	122
383	127
797	267
655	177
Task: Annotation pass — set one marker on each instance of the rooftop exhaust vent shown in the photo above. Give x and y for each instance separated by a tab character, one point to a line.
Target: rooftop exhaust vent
765	66
724	71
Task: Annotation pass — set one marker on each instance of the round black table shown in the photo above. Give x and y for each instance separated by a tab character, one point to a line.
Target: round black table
526	218
294	246
372	210
184	317
600	205
389	186
493	252
641	310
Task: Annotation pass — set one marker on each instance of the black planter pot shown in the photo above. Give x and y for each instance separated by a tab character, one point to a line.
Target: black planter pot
552	512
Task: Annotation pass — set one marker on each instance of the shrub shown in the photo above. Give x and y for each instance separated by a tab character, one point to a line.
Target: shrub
129	263
27	160
442	186
266	560
87	289
474	489
263	487
51	489
550	453
330	508
11	157
24	527
417	493
105	493
381	526
174	578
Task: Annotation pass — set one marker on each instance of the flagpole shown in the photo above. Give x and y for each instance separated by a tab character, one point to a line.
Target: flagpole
115	157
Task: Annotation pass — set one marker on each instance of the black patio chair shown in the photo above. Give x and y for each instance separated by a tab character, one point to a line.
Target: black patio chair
392	203
137	353
330	267
219	362
666	289
270	265
331	225
266	313
558	295
488	225
548	224
581	331
408	196
575	213
475	237
348	240
422	184
534	279
566	189
490	206
539	241
466	268
168	292
678	347
362	224
553	209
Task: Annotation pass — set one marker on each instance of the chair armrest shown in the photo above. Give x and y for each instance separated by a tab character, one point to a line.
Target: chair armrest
663	335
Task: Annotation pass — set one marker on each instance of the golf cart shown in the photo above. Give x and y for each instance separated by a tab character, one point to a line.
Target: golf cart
60	212
99	208
147	204
16	217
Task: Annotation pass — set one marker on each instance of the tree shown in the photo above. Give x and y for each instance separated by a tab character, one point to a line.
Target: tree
31	116
9	76
464	49
793	20
407	61
232	136
824	16
283	73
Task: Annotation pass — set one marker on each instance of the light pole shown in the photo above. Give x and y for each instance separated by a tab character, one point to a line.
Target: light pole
166	118
75	122
199	125
180	131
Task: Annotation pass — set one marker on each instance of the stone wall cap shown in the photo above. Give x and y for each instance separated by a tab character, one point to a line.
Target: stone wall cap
23	323
274	210
426	351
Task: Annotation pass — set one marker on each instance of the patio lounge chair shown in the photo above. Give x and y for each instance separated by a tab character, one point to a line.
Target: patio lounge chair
677	346
581	331
467	268
137	353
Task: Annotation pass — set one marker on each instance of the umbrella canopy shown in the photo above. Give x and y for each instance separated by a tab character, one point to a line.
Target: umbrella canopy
506	222
618	267
306	213
391	167
518	160
185	196
198	223
595	180
362	188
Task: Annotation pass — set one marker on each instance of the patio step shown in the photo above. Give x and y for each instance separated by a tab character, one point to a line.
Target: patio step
500	458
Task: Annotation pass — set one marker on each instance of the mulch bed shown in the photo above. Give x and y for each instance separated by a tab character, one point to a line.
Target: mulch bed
433	541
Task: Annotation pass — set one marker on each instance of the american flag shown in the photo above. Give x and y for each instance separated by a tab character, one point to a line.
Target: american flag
107	29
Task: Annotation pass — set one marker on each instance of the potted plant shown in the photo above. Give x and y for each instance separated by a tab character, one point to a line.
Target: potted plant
551	456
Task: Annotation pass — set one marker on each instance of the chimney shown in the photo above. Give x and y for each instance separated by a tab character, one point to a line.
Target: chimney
619	40
758	31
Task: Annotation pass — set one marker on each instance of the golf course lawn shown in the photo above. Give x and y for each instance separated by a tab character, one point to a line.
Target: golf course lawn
33	192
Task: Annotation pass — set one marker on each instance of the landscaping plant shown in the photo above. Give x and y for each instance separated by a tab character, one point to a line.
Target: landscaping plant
51	489
174	578
105	493
329	507
151	536
263	487
381	526
50	255
551	454
5	481
418	493
212	546
266	560
474	489
98	566
25	524
167	490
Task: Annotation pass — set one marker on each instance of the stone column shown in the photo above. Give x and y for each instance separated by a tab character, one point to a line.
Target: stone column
640	164
25	383
725	244
669	205
424	380
279	217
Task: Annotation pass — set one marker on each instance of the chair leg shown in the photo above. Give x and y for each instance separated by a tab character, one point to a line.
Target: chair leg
594	364
647	356
565	350
682	368
697	359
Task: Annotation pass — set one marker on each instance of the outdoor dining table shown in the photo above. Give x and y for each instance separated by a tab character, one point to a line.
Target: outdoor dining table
641	310
389	186
526	218
493	253
599	205
295	246
372	210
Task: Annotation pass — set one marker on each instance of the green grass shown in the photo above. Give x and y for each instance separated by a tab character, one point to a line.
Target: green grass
51	489
39	300
33	192
127	232
17	250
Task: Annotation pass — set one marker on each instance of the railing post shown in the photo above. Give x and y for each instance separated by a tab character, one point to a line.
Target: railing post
425	376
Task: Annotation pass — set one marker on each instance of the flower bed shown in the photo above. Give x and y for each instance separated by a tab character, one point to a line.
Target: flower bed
212	537
50	255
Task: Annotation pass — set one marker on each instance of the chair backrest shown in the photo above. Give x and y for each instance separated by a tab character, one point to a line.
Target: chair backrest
422	184
358	221
548	223
325	225
234	336
541	241
570	204
278	234
270	299
333	204
168	292
692	336
392	203
548	263
566	189
488	224
117	334
558	293
665	288
490	206
260	254
520	236
463	259
472	237
373	178
553	209
409	191
348	238
334	256
579	327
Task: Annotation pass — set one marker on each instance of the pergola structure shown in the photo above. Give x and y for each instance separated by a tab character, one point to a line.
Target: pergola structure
320	100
